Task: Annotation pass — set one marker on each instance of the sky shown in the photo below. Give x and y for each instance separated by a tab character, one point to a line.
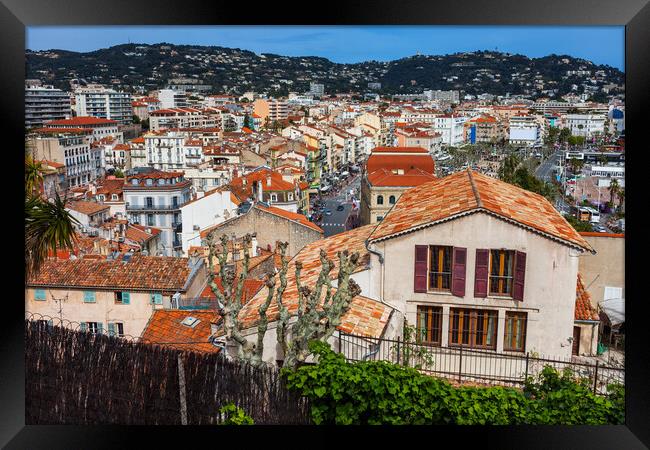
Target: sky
350	44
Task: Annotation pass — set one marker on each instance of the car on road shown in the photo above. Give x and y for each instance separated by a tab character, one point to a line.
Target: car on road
599	228
340	208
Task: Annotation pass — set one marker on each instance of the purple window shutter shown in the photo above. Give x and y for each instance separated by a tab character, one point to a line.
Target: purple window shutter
520	274
421	255
481	273
458	272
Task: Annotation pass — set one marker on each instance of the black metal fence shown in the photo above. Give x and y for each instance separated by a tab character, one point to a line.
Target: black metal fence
464	364
85	378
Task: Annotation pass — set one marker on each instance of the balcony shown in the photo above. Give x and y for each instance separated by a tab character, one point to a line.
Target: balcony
177	244
177	226
134	208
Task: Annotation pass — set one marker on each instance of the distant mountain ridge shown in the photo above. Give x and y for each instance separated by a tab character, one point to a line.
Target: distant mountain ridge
152	66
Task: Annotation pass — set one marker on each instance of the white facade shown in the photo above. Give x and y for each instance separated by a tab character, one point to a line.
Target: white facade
44	103
585	124
104	103
158	205
170	98
201	213
524	130
451	129
172	151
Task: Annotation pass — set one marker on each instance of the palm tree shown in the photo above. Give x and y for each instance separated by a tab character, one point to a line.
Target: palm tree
33	175
48	225
621	198
614	188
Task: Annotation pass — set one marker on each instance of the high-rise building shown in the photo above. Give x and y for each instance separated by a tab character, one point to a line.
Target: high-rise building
170	98
317	89
44	103
272	109
104	103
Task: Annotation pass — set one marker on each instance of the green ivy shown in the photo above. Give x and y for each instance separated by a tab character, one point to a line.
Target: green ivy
378	392
235	415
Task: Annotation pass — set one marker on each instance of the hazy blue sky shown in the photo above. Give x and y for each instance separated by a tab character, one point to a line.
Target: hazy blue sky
347	44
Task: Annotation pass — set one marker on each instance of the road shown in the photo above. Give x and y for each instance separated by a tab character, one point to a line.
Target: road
335	223
545	170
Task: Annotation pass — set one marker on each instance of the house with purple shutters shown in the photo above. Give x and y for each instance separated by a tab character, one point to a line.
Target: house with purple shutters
474	262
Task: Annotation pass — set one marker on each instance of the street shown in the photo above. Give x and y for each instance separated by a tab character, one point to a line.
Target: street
336	222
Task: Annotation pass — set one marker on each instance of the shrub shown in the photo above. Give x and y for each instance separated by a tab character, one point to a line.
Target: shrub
235	415
378	392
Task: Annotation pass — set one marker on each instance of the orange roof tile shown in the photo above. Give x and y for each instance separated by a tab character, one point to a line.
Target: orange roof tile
151	273
82	120
583	308
469	191
400	150
413	177
366	317
85	207
165	328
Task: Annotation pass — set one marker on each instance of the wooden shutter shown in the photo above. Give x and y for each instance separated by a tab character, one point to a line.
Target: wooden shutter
520	274
126	298
481	273
157	299
421	255
89	297
458	271
39	294
100	328
111	329
82	326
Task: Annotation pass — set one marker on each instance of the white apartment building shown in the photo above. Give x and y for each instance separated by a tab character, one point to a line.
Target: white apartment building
172	151
316	89
44	104
209	177
449	96
585	124
104	103
182	118
98	128
170	98
451	129
206	211
524	130
154	199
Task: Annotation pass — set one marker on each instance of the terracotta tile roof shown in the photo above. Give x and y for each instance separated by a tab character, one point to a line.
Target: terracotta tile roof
138	233
597	234
584	310
151	273
83	120
138	140
366	316
86	207
400	150
404	162
63	130
294	217
468	191
165	328
412	177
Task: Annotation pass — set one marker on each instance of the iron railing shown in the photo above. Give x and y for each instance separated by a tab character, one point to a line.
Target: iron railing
464	364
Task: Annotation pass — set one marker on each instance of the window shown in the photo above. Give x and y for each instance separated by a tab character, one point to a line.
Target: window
474	328
149	201
380	199
439	268
123	298
175	202
391	199
274	197
114	197
89	297
39	294
150	220
116	329
501	272
91	327
429	325
290	196
515	331
380	218
156	298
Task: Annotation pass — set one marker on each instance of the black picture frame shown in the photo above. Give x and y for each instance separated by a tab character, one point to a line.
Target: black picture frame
15	15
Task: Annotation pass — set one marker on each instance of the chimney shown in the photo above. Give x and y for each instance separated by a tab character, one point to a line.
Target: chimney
268	179
259	191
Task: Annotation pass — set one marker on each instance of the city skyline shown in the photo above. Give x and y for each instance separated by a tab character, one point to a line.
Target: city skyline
352	44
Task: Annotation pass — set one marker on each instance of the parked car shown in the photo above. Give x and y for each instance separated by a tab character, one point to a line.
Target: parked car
340	208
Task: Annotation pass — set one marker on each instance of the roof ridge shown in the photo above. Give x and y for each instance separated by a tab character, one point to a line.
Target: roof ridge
474	188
